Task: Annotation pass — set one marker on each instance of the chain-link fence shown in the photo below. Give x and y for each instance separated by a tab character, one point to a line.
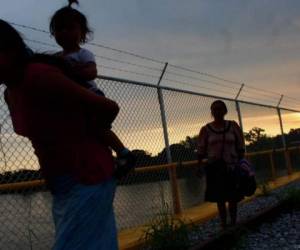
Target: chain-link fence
160	125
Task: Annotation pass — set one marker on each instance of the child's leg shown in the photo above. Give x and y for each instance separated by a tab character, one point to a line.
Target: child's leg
125	159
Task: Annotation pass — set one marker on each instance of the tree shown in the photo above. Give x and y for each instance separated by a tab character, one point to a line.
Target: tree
293	137
254	135
143	158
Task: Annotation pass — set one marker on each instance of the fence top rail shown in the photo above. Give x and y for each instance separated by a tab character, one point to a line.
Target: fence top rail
272	151
140	83
39	183
16	186
116	79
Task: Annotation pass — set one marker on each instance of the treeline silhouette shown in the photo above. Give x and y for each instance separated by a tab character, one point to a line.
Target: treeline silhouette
256	139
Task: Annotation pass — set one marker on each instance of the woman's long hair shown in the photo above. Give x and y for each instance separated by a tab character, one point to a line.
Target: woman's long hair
11	40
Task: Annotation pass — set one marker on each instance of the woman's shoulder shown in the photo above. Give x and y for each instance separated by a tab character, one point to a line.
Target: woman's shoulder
40	74
234	124
39	69
204	129
205	126
36	67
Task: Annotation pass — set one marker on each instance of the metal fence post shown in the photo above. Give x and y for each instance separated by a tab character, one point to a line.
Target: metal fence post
172	169
286	152
281	128
2	148
238	110
163	116
237	105
272	161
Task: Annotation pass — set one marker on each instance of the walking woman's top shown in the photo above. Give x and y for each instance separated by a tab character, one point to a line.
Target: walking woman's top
226	143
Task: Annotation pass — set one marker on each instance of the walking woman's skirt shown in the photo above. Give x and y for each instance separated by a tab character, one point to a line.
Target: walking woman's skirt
221	184
84	218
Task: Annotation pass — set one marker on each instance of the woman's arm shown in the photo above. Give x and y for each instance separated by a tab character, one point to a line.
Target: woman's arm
85	71
202	145
50	83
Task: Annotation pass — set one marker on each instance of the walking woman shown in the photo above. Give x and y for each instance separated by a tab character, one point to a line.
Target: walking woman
221	143
50	109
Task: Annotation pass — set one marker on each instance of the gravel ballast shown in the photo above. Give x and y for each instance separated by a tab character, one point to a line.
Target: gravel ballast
282	233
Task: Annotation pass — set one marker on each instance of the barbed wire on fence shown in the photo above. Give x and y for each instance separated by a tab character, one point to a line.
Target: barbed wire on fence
260	100
127	71
41	43
98	56
199	79
205	74
181	75
199	86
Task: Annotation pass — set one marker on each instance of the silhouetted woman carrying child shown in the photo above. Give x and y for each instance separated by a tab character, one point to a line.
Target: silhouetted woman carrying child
49	108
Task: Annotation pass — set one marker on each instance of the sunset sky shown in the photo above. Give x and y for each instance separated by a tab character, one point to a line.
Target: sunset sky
253	42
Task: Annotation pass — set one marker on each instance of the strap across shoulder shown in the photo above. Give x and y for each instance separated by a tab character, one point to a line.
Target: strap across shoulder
227	128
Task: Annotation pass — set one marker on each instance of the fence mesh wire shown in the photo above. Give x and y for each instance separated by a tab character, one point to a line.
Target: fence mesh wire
139	126
291	130
25	215
262	128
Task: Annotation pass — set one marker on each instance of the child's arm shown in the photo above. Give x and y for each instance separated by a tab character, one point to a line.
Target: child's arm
110	139
50	84
202	145
85	71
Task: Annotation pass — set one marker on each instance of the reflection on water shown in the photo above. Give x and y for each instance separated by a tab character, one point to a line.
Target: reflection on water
26	221
136	204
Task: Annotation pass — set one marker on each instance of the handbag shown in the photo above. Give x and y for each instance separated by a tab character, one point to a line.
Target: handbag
245	176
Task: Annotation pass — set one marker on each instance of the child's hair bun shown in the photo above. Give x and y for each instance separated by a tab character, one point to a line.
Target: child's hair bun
73	2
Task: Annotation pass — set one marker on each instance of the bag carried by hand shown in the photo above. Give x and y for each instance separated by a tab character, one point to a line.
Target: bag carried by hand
246	182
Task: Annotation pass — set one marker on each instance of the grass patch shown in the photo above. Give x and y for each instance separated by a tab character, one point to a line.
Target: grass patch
166	232
291	198
264	188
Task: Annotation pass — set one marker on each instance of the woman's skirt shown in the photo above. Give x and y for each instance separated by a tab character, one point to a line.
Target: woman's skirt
84	217
221	184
